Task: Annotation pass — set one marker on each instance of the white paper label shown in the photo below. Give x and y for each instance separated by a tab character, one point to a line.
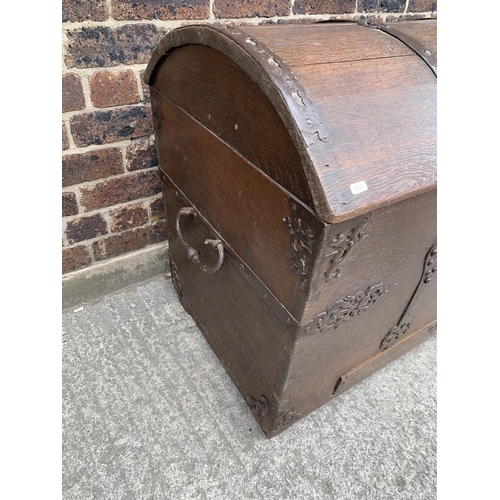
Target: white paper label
358	187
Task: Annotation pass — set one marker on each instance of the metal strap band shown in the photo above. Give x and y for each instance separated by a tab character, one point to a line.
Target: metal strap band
425	54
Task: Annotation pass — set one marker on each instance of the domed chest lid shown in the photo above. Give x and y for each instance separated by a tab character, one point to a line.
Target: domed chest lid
359	103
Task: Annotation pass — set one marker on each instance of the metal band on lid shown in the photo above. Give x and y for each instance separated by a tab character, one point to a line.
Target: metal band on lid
424	53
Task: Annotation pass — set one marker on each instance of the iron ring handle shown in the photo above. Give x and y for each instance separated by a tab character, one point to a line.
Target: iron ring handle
192	254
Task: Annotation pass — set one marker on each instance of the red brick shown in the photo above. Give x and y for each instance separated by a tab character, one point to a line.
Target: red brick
84	167
422	6
141	154
324	6
65	139
101	46
129	241
170	9
145	88
69	206
252	8
84	10
120	190
85	228
74	258
102	127
108	88
128	217
72	93
157	209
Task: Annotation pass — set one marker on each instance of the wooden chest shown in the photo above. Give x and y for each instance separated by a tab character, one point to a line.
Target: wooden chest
298	166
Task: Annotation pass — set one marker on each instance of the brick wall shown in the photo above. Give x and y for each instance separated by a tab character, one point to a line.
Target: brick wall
111	195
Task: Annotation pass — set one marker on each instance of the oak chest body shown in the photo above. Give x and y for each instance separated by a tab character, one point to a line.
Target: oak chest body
298	166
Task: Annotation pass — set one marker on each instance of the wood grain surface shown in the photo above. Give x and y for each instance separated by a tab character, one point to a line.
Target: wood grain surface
316	273
311	385
385	136
425	31
247	207
326	43
223	98
246	336
373	99
398	237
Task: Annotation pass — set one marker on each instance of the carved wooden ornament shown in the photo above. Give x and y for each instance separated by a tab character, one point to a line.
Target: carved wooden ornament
341	245
404	324
348	307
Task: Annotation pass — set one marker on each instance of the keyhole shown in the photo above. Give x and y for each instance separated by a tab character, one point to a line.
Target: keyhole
337	385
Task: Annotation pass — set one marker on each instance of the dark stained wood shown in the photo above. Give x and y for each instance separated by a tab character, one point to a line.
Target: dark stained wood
309	288
425	31
246	336
382	116
216	92
385	137
398	238
310	388
242	203
319	43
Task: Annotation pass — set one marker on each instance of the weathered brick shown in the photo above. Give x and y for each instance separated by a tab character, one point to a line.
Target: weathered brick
127	217
101	46
128	241
74	258
69	206
85	228
108	88
166	9
381	5
422	6
252	8
157	209
145	88
392	5
102	127
65	138
72	93
368	5
84	10
120	190
141	154
78	168
324	6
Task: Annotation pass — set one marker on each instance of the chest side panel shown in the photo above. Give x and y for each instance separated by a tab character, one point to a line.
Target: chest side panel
246	334
273	232
221	96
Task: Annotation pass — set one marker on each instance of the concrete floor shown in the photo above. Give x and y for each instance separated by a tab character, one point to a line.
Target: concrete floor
150	413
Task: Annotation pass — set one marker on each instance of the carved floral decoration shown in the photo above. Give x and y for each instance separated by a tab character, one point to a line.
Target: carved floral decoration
341	245
348	308
404	323
303	240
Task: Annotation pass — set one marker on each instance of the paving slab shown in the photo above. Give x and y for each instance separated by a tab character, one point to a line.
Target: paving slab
150	413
